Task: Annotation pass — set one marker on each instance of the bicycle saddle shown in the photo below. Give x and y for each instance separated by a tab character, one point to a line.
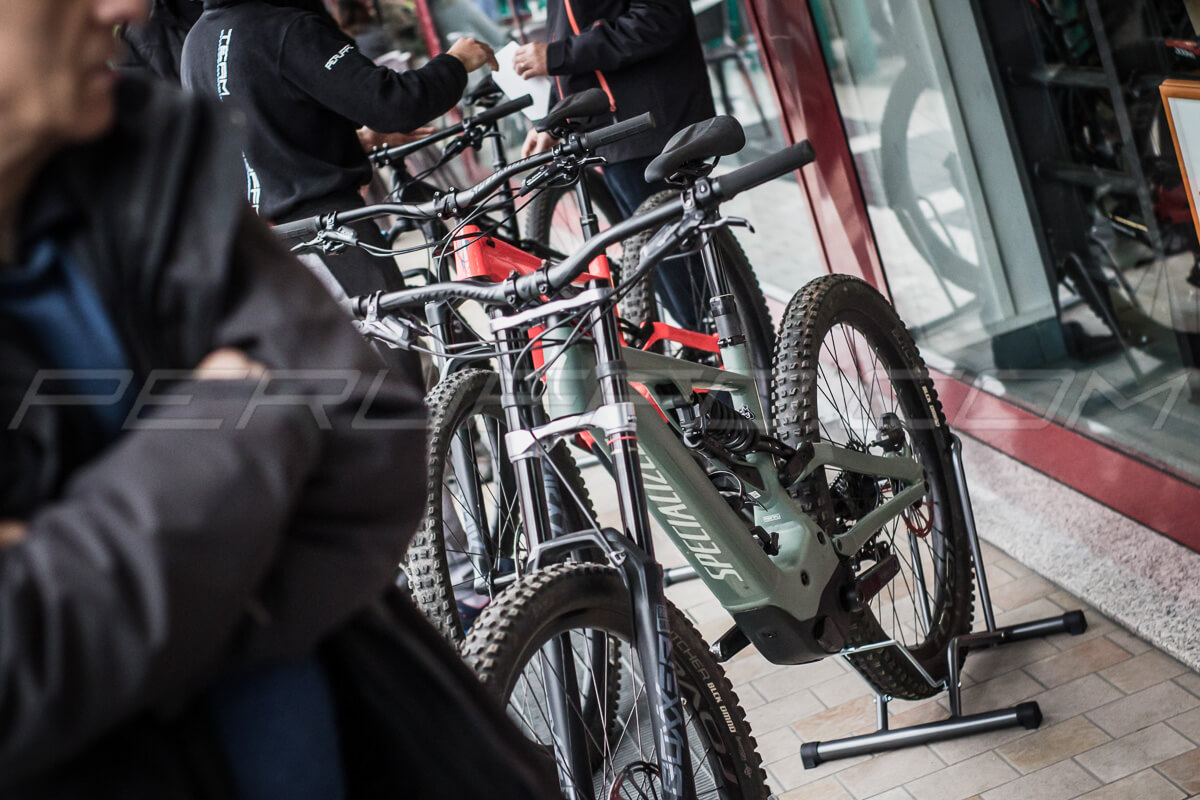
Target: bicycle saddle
587	103
688	151
486	94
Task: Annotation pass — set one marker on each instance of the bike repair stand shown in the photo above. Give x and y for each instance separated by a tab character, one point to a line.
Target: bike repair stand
1027	715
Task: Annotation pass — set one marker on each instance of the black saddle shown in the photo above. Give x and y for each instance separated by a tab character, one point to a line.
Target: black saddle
587	103
688	151
486	94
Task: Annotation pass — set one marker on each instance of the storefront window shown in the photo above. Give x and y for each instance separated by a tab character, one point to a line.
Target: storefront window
1067	280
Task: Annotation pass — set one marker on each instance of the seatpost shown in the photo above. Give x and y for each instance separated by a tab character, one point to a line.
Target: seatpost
722	303
587	217
499	162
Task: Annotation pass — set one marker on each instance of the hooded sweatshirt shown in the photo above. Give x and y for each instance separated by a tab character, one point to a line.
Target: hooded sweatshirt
304	89
155	47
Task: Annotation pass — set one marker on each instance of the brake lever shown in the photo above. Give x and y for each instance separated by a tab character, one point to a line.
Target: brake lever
726	222
334	239
385	329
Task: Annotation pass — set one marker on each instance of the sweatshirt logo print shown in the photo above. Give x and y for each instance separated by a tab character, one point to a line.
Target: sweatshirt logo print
253	187
223	63
331	63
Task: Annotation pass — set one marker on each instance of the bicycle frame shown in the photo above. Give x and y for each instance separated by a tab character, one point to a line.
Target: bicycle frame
790	605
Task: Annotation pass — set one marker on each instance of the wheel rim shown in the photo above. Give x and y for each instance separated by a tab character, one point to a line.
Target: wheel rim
625	766
858	385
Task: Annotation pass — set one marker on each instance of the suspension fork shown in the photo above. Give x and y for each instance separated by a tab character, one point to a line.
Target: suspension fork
557	658
644	577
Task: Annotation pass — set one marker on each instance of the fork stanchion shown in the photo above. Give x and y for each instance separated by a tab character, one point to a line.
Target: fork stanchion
679	575
1027	715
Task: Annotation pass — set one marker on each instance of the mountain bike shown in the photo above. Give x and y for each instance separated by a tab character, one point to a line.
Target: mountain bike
832	531
467	546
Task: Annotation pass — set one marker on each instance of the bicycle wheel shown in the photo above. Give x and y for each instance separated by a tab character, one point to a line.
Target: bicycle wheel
554	214
913	113
848	372
472	514
506	651
641	304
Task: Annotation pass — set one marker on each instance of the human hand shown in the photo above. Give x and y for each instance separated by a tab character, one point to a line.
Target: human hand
536	143
473	54
11	532
372	139
530	60
228	364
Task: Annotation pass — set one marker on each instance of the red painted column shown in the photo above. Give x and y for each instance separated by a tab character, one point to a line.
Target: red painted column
794	61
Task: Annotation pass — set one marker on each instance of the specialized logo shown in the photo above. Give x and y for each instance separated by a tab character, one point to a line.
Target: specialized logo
223	62
253	187
684	525
331	63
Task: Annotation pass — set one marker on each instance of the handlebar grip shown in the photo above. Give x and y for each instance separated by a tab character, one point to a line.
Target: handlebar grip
621	130
773	166
300	230
503	110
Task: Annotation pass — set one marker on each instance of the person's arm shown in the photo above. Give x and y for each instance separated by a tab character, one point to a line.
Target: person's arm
362	503
647	28
321	62
128	589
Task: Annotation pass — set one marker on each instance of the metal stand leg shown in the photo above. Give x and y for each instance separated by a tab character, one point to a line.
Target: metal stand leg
1027	715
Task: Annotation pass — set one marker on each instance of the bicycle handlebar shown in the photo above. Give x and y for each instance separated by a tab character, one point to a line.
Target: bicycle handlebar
766	169
549	279
451	204
485	117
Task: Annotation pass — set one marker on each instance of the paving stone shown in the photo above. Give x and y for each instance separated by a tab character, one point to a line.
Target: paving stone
889	770
1020	592
1077	697
987	664
1184	770
827	789
748	697
1065	779
793	679
845	687
960	781
1190	681
1143	709
777	744
780	713
1129	642
1082	659
1188	724
749	667
894	794
846	719
789	773
953	751
1053	744
1005	690
1142	671
1134	752
1147	785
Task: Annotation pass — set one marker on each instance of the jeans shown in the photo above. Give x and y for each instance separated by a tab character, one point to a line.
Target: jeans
681	285
278	728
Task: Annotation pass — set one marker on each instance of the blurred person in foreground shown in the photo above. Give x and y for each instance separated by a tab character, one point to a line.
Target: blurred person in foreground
201	504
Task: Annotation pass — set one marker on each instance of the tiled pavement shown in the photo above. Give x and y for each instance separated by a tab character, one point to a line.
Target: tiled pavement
1122	719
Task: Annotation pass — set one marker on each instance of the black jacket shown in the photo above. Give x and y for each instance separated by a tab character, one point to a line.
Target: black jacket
649	56
154	49
210	538
305	89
